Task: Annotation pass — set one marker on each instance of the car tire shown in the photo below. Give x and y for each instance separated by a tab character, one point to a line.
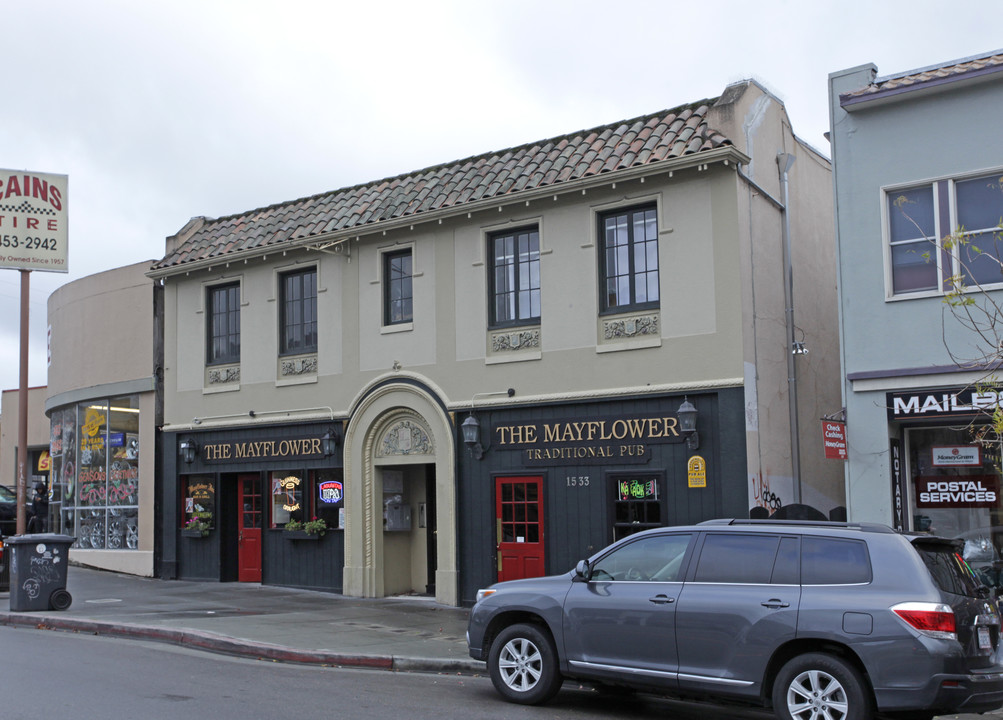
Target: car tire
820	685
523	665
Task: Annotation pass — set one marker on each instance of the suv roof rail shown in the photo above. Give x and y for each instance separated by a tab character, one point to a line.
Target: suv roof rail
862	526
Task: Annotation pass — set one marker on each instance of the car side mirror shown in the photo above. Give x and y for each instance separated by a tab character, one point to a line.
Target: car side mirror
583	573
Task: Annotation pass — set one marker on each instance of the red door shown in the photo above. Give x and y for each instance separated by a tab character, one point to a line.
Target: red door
249	529
519	524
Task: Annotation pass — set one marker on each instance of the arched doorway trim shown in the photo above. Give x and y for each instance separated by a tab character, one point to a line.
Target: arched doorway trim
397	420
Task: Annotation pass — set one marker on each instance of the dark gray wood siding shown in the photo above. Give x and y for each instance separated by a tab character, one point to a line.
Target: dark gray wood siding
578	520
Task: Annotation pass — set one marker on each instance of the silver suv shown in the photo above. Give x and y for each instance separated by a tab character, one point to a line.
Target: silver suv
834	621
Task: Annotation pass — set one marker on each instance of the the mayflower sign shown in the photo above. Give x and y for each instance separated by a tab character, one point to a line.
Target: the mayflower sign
33	221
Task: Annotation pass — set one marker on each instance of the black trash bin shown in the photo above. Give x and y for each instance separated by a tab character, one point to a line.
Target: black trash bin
38	565
4	569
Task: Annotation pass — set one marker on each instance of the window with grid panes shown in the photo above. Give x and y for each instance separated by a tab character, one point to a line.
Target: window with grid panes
397	289
628	258
298	302
515	277
223	342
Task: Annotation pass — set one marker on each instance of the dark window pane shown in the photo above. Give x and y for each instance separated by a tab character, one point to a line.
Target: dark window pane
515	277
298	332
913	268
630	258
223	342
828	561
397	296
737	559
910	214
980	202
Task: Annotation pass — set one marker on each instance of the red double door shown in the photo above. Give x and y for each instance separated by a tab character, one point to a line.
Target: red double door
519	527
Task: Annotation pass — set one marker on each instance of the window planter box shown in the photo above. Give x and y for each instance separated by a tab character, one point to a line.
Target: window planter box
194	533
299	535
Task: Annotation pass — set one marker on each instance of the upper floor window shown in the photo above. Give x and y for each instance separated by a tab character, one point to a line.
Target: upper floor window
515	277
298	312
979	204
912	234
969	210
223	330
397	292
629	258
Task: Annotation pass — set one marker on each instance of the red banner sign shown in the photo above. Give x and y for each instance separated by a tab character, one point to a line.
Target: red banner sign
834	439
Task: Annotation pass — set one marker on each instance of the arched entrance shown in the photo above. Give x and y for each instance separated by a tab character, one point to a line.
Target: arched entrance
400	494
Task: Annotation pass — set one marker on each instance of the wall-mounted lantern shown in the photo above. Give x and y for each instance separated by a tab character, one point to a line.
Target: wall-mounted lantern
471	430
329	442
189	450
687	414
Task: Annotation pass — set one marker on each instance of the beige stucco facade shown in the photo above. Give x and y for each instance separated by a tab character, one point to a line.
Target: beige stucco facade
103	335
722	323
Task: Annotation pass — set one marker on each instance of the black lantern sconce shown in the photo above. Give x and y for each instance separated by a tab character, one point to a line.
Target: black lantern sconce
329	442
471	430
189	450
687	413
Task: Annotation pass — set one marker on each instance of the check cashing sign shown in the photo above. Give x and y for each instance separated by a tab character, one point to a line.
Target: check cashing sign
33	221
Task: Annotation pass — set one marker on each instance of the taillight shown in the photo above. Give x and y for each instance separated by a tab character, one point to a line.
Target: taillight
933	619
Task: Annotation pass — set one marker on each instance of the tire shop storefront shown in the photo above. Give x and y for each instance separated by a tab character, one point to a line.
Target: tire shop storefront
236	490
550	484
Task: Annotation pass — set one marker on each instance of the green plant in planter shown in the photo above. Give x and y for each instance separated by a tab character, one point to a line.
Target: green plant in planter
317	526
293	525
199	524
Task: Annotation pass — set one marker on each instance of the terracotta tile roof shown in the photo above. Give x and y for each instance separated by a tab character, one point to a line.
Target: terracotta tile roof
643	141
955	70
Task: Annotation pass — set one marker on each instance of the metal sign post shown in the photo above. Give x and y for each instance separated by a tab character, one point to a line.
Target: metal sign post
33	236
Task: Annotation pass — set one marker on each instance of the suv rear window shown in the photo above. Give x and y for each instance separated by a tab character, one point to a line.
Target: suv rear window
828	561
947	567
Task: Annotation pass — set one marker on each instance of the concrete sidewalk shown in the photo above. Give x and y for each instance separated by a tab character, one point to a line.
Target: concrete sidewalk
261	621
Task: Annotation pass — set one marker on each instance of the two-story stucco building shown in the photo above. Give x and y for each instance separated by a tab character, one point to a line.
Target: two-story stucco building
568	303
918	175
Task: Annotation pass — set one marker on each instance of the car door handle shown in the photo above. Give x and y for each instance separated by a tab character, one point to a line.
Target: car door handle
662	600
775	603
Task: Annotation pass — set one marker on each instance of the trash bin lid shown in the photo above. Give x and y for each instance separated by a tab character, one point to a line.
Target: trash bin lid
39	538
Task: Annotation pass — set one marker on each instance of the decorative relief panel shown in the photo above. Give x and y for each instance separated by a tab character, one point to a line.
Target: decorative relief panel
406	437
224	375
631	327
513	341
292	367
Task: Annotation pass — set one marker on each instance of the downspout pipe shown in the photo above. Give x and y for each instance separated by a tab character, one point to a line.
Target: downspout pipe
785	161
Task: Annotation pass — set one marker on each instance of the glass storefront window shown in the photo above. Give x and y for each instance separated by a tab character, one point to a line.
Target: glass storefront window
287	498
956	493
95	451
198	499
328	496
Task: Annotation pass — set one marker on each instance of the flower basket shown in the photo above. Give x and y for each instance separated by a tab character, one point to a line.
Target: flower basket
310	530
197	527
299	535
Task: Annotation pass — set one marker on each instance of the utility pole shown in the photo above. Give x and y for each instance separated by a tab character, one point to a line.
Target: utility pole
22	407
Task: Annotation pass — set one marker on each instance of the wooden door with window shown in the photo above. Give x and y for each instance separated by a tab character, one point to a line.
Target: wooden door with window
249	528
519	527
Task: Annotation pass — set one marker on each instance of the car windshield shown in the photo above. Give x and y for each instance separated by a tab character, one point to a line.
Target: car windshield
7	495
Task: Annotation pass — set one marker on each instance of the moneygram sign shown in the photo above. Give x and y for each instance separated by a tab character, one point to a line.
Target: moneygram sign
33	221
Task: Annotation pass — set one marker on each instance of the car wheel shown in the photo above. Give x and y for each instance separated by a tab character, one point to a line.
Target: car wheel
817	686
523	665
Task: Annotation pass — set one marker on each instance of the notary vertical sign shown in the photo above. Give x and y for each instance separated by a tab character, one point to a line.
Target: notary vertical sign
33	221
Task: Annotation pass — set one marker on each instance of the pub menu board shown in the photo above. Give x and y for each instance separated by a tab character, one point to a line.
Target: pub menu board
200	498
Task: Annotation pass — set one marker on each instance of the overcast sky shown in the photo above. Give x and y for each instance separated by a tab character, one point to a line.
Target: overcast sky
161	111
